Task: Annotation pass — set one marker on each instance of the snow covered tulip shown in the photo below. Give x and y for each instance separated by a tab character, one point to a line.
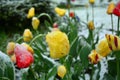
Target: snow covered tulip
23	57
28	47
58	43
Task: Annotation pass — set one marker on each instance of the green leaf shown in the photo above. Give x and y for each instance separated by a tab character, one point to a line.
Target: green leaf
112	69
108	77
52	73
84	52
7	70
73	47
48	25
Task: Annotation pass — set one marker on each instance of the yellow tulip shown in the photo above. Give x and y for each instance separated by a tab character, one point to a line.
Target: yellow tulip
35	23
102	48
91	1
28	47
58	44
111	6
61	71
27	35
94	57
91	25
60	12
113	42
10	48
31	13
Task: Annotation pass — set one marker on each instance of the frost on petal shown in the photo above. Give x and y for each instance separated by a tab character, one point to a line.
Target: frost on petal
23	57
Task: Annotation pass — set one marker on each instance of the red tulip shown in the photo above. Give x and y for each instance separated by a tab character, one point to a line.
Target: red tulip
55	25
116	10
72	0
72	14
23	57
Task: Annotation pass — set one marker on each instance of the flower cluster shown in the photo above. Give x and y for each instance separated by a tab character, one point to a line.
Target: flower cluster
21	54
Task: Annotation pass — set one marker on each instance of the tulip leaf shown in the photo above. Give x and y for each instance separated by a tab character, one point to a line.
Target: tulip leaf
84	52
7	70
112	69
52	73
108	77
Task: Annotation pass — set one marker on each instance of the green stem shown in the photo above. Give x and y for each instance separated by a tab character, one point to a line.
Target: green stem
40	35
19	39
112	22
91	77
118	69
44	14
68	6
87	14
37	32
91	38
93	12
118	27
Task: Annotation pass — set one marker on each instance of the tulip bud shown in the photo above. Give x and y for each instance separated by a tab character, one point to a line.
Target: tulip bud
91	25
60	12
35	23
116	10
28	47
91	1
31	12
61	71
10	48
72	14
111	6
73	0
55	25
94	57
27	35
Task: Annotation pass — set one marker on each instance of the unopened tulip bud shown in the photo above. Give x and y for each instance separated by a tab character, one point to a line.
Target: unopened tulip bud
91	1
35	23
111	7
31	12
55	25
60	12
10	48
94	57
61	71
91	25
27	35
